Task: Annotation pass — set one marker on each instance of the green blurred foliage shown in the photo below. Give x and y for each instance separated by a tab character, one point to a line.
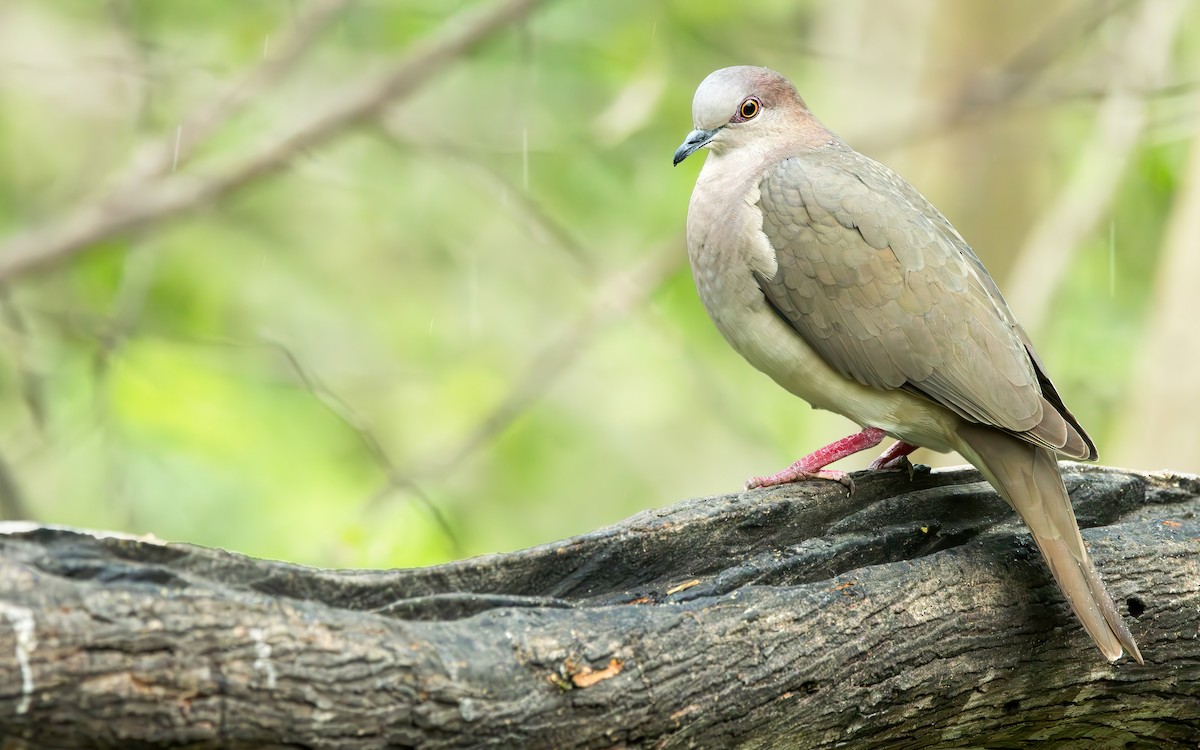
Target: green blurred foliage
417	268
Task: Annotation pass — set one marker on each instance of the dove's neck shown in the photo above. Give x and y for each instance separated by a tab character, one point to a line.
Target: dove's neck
729	178
737	164
724	229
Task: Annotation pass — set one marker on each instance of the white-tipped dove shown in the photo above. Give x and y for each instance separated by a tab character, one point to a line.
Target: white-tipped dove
835	277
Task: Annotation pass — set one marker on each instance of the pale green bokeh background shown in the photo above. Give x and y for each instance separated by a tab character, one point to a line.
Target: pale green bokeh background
471	244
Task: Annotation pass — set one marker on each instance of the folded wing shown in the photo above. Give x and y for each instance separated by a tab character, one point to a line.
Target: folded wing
882	286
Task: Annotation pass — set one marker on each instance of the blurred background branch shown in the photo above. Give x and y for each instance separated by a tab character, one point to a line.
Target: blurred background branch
1140	64
280	58
396	481
368	284
150	199
1157	419
614	300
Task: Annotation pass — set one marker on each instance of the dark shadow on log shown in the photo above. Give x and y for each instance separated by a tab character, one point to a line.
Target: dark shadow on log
915	614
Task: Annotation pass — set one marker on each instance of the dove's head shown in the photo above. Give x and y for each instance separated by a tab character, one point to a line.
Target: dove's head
741	105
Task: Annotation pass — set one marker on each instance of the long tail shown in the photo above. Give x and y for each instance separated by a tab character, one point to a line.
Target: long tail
1027	476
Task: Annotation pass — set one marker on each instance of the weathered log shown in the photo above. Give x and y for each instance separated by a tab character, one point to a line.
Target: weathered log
915	614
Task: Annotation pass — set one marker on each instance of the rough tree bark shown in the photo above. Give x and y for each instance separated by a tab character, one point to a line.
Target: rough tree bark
915	614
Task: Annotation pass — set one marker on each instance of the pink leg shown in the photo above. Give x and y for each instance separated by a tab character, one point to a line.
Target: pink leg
895	457
812	465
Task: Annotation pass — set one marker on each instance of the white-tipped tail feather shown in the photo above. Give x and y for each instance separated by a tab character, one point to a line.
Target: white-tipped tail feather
1028	478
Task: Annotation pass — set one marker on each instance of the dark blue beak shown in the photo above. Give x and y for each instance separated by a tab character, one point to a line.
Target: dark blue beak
695	140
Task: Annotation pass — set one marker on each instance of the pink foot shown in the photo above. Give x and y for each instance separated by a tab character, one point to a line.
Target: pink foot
895	458
794	473
813	465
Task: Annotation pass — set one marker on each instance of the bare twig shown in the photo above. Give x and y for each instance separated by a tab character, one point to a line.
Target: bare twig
994	90
337	406
1024	68
546	225
1141	63
614	300
157	200
121	12
551	362
100	328
32	382
536	218
137	273
173	151
12	504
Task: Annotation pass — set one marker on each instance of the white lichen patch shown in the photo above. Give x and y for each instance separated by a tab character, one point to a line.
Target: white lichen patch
262	656
22	622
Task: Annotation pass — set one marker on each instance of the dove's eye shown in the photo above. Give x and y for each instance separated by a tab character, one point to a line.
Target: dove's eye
747	110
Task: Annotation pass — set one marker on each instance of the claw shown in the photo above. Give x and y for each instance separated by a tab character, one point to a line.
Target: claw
895	458
900	463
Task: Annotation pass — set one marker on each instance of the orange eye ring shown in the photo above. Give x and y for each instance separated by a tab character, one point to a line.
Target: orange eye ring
747	110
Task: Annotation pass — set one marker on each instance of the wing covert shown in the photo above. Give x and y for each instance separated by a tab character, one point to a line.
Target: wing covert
879	283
